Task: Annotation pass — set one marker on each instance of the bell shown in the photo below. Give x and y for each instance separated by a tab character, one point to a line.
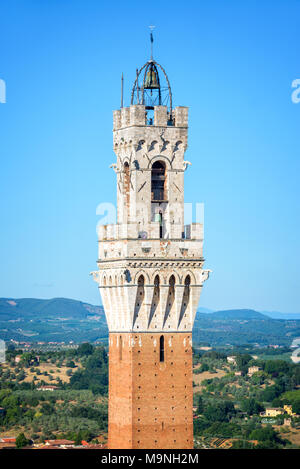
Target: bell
151	80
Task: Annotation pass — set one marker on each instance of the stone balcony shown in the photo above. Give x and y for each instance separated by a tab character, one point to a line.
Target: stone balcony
110	232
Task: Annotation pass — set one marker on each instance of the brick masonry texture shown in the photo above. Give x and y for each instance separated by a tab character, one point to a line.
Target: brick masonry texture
150	401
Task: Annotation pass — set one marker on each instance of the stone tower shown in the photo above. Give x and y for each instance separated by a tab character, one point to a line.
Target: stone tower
150	273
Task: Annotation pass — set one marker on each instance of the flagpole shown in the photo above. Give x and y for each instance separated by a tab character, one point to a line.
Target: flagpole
151	40
122	86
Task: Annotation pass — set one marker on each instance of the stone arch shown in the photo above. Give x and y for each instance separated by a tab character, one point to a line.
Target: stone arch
172	280
158	180
137	275
171	297
157	273
187	280
126	183
176	276
185	304
155	298
140	296
141	279
125	160
192	277
159	158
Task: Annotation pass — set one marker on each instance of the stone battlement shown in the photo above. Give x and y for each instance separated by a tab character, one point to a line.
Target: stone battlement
136	115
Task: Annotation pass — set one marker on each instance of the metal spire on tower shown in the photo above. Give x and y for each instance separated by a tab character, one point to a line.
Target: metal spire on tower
151	40
122	88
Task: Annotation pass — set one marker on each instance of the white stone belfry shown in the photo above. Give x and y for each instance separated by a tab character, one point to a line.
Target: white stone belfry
150	264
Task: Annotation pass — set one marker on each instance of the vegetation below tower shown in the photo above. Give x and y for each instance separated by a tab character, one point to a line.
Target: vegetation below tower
244	397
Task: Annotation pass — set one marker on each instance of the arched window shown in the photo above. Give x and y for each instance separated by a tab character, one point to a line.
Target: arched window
156	282
161	348
187	281
155	299
185	299
126	184
158	182
141	281
171	298
139	297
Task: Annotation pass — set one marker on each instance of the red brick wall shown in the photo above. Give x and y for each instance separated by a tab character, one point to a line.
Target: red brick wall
150	402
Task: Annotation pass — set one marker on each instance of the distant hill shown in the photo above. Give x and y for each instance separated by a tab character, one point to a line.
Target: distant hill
269	314
54	320
278	315
238	314
64	320
54	308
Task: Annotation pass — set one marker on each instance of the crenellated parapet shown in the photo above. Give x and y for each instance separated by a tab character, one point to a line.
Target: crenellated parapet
136	115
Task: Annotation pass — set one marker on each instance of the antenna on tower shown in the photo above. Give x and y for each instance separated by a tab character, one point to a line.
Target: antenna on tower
151	40
122	87
137	87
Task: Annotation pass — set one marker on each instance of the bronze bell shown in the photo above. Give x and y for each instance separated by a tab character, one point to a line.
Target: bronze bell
151	80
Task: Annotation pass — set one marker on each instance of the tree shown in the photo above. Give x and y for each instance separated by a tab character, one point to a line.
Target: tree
220	411
78	439
85	349
266	436
242	444
251	406
21	441
276	402
296	407
70	364
204	367
242	361
47	408
200	407
274	367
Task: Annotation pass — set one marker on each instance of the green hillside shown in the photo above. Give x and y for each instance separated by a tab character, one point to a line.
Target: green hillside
239	314
64	320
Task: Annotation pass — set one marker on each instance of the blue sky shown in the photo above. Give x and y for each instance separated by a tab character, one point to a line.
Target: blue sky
231	62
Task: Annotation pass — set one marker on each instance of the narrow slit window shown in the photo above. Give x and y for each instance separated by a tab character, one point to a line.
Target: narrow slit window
120	348
162	349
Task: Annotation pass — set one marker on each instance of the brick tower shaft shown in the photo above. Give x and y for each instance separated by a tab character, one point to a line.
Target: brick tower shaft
150	396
